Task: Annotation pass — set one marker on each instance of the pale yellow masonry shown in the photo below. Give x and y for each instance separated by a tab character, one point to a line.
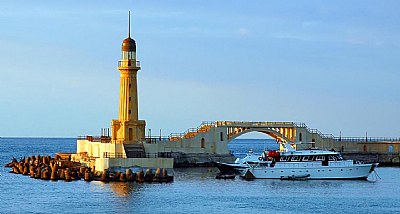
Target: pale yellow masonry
128	128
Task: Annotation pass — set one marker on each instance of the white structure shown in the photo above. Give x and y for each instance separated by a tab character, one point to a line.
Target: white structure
311	164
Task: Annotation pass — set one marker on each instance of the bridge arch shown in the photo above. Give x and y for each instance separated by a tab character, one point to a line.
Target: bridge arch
268	131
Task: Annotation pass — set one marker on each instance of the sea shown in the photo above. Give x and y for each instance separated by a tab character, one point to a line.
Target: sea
194	190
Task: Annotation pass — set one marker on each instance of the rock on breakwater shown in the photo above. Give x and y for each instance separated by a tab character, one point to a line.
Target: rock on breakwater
61	168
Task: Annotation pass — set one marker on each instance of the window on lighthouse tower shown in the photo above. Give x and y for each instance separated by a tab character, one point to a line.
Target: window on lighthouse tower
128	55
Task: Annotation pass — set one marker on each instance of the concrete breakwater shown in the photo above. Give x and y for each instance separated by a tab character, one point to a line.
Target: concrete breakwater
49	168
392	159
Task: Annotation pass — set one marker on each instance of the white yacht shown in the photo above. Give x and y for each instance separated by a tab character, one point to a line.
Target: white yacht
307	164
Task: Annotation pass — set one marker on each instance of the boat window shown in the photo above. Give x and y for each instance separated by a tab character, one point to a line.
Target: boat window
332	158
285	158
320	158
296	158
306	158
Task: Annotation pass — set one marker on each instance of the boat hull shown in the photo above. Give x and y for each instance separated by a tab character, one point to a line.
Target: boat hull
356	171
231	167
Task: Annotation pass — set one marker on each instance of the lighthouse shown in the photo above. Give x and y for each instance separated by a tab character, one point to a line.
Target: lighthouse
126	146
128	129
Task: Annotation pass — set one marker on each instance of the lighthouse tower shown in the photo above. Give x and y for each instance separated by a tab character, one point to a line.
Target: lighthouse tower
128	129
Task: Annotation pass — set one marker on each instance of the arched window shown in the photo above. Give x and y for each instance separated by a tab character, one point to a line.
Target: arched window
365	148
202	143
300	137
222	136
390	148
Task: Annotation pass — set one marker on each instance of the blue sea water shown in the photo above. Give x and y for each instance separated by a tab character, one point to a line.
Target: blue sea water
193	191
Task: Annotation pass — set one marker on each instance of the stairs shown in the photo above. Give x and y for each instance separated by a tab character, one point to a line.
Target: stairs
192	132
134	151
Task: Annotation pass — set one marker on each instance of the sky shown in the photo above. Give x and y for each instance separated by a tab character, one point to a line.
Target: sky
334	65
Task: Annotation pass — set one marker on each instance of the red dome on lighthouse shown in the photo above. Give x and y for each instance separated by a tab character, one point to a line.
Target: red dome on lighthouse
129	44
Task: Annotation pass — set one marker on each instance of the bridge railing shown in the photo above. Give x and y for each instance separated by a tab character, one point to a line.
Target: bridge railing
253	124
300	125
327	136
315	131
113	155
101	139
366	139
155	139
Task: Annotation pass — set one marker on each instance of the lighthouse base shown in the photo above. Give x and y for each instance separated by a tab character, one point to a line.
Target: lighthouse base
101	156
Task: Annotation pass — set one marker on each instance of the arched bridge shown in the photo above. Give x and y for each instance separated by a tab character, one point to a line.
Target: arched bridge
281	131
